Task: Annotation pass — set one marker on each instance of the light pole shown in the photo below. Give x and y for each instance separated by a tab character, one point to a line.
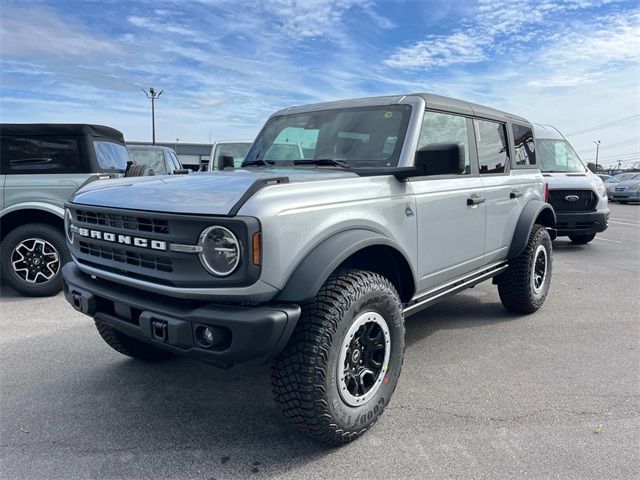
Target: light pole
153	95
597	142
176	149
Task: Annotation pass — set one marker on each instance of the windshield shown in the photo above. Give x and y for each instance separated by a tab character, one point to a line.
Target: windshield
360	137
152	158
621	177
111	155
235	150
558	156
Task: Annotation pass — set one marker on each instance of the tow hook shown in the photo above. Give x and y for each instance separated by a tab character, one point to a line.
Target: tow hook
159	330
76	301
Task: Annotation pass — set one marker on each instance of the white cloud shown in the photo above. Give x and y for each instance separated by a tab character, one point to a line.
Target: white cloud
438	51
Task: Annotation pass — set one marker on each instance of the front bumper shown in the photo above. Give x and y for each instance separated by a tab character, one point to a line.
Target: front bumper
250	334
590	222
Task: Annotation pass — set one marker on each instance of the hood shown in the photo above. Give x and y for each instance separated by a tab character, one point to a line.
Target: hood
205	193
572	181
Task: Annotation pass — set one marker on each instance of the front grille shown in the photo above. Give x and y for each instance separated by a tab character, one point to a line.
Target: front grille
587	200
129	257
126	222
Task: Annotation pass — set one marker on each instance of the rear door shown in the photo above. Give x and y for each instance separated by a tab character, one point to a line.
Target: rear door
505	189
450	209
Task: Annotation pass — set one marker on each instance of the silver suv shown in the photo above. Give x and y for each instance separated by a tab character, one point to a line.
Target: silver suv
40	166
313	263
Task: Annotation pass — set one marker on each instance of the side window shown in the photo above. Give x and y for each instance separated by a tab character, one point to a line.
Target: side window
493	150
445	128
525	147
40	155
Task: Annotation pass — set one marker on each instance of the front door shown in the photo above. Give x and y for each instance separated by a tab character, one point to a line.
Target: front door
450	208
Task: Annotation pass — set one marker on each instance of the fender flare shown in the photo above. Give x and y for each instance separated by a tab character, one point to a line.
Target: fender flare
45	207
530	213
311	273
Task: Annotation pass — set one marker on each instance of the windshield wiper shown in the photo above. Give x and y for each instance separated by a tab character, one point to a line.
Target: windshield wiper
258	163
322	162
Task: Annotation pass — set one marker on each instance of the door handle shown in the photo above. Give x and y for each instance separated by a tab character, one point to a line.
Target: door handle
515	194
475	200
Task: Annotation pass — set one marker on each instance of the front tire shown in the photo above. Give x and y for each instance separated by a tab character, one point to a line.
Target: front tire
343	360
523	287
582	239
130	346
32	257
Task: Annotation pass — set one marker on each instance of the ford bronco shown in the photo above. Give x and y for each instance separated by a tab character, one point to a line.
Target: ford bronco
40	166
313	263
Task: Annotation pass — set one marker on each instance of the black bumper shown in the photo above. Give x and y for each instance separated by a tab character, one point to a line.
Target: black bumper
248	334
576	223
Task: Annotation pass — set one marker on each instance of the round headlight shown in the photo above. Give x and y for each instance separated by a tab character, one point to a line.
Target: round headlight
67	224
220	253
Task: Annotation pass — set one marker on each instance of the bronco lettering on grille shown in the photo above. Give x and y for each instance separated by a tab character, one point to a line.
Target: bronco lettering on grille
122	239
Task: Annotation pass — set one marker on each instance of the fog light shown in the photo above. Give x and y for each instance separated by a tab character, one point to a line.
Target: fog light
206	336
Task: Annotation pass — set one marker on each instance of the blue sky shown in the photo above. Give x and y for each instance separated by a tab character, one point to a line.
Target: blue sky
226	65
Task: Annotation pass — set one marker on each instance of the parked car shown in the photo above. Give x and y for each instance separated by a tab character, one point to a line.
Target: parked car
40	166
313	263
229	148
578	196
610	184
153	160
627	190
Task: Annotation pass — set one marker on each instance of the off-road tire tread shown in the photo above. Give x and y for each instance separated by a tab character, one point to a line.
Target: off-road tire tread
140	171
130	347
582	239
298	373
514	284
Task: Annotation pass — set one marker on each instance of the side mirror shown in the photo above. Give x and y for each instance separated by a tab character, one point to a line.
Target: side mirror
225	161
441	159
181	171
204	166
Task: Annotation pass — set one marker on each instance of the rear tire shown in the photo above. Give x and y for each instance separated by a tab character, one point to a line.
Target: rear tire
32	258
582	239
342	363
130	346
139	171
523	287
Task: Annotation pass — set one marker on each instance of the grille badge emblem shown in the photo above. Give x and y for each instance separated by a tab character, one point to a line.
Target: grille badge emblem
572	198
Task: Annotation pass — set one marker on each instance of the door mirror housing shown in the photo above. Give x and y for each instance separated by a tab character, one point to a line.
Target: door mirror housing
181	171
440	159
225	161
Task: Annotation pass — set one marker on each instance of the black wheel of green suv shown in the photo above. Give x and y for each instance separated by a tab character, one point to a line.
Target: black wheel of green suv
32	257
523	287
343	361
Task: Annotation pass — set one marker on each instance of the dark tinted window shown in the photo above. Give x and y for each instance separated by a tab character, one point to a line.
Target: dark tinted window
493	150
444	128
525	147
40	155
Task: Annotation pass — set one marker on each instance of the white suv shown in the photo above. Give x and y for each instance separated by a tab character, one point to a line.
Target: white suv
577	195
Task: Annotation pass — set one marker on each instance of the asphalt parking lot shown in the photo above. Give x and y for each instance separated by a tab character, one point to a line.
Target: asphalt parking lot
483	393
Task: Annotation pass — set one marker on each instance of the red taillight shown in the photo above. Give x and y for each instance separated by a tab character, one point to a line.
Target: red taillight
546	192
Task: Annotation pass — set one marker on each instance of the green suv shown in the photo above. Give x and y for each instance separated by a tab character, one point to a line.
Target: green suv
41	165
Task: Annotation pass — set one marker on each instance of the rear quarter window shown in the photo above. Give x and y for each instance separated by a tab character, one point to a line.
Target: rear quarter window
525	150
40	155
